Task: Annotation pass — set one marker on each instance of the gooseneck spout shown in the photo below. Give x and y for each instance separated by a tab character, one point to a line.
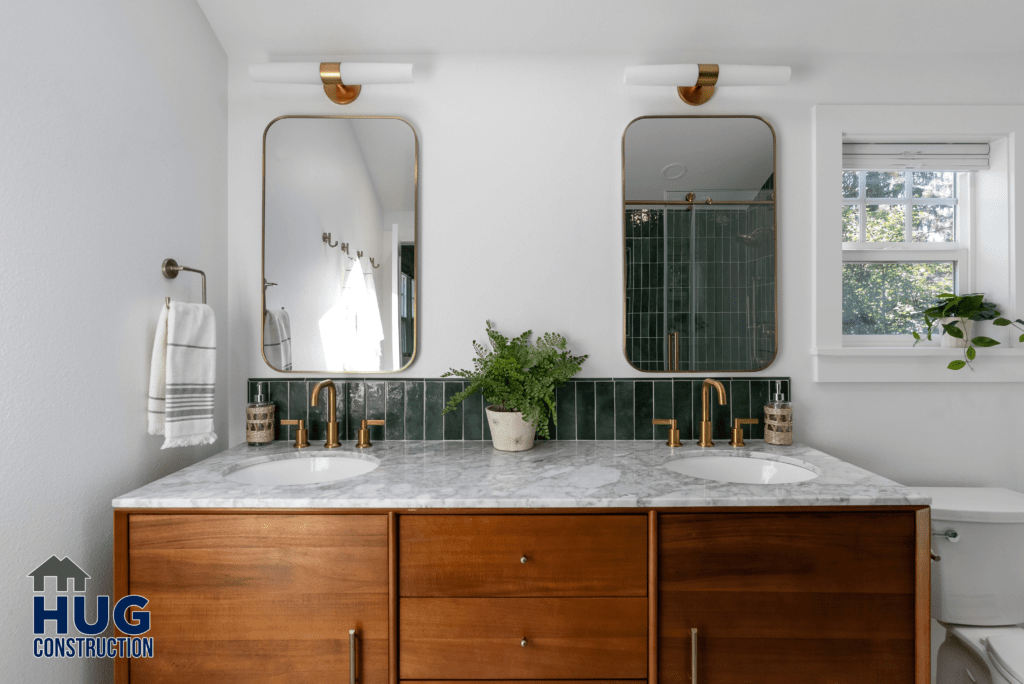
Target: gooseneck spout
705	413
332	411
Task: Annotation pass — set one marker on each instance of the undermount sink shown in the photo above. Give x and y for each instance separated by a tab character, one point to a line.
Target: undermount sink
751	468
300	470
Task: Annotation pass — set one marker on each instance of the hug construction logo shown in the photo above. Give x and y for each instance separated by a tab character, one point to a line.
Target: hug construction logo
71	581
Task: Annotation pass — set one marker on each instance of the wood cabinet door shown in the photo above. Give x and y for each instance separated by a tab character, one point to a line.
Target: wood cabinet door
778	598
261	598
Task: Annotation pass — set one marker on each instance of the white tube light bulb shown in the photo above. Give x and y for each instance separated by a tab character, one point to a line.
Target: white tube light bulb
685	75
352	73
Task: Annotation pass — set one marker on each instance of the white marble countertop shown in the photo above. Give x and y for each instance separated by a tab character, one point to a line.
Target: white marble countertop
552	475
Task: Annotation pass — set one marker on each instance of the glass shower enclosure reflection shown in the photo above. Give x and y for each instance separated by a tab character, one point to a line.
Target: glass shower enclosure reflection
699	226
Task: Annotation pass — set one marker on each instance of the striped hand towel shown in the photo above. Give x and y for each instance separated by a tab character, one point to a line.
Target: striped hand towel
182	375
277	339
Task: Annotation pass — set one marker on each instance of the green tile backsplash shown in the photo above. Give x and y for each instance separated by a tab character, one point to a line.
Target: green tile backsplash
587	408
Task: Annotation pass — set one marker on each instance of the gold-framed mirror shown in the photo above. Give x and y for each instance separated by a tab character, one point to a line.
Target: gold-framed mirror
699	244
340	253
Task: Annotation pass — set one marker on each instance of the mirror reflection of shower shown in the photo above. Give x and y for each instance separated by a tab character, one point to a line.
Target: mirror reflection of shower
700	280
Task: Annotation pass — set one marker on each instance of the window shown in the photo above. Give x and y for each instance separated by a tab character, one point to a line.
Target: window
905	240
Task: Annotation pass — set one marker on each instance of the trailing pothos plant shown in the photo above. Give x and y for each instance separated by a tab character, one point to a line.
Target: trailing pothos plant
515	375
969	307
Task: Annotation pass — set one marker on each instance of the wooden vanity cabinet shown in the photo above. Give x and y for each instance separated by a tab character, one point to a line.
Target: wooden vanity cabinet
260	597
777	598
777	595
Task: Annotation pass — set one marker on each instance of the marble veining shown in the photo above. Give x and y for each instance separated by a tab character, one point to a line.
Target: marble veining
557	474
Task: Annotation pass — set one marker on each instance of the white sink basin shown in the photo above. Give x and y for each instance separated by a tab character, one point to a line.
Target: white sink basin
753	468
301	470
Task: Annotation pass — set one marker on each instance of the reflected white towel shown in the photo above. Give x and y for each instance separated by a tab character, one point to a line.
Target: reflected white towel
277	339
351	330
182	375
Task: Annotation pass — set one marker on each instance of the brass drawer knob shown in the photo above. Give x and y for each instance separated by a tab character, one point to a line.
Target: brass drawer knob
523	642
523	559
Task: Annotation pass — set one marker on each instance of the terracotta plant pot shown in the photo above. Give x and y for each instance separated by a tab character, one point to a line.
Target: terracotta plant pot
509	431
946	340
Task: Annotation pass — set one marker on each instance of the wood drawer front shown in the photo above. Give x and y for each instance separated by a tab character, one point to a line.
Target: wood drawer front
480	555
261	598
567	638
788	597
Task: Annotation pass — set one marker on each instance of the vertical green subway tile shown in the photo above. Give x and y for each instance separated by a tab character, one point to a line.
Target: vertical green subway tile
643	409
356	409
376	408
298	405
585	410
662	406
453	420
487	424
251	391
682	407
565	411
394	428
433	401
758	399
317	414
623	409
414	410
278	396
473	417
740	400
604	423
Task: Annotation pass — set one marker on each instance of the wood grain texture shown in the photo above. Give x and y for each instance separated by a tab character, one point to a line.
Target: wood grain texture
567	638
121	586
652	597
519	681
392	598
261	598
479	556
777	598
923	612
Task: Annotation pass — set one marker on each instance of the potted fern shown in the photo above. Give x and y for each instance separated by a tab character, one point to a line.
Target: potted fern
956	315
519	380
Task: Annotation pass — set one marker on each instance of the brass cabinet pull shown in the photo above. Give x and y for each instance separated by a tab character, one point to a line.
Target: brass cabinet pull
693	654
352	656
523	642
523	559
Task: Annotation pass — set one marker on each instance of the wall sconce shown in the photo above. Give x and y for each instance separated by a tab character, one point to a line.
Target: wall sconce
338	79
696	83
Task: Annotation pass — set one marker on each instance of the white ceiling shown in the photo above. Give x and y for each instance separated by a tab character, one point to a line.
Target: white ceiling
257	30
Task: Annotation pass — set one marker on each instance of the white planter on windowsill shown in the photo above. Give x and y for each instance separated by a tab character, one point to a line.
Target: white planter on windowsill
946	340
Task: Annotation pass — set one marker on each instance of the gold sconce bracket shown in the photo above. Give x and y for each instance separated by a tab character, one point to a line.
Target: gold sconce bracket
701	92
337	92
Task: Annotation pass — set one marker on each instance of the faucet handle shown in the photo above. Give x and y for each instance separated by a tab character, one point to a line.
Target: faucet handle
673	430
737	431
301	433
364	433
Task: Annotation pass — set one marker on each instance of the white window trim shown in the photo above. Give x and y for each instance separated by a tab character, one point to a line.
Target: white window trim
996	265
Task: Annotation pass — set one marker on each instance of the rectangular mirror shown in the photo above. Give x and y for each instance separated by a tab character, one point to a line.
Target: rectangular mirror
699	244
339	244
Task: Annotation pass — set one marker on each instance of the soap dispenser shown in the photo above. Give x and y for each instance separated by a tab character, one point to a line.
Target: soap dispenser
259	420
778	418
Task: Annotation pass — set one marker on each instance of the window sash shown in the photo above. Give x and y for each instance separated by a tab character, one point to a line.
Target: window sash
862	201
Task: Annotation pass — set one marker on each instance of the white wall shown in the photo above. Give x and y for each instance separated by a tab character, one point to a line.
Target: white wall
113	131
520	191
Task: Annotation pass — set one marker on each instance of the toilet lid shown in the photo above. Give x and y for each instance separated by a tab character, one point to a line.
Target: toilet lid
1007	650
975	504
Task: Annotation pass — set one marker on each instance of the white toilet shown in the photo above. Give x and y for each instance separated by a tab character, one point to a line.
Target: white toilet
978	583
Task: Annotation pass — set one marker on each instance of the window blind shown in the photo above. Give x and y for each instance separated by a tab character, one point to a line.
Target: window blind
925	156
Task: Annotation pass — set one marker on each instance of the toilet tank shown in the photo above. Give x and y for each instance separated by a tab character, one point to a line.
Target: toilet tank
980	577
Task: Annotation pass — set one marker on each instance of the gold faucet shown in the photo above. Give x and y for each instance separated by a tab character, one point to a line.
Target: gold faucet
332	408
364	433
705	412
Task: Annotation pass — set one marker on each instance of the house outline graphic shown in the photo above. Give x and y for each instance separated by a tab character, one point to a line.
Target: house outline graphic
63	569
